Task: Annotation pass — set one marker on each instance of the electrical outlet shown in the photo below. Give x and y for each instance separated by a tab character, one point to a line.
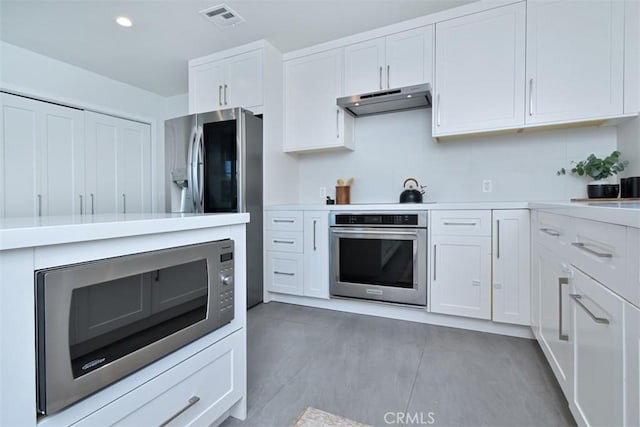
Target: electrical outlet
486	186
323	192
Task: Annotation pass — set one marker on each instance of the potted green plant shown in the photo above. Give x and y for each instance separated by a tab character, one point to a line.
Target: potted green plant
600	170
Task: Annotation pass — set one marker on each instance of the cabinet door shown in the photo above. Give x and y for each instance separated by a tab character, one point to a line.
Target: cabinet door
364	67
284	273
409	58
206	86
461	276
598	338
42	162
535	283
20	129
511	260
118	165
554	282
632	364
479	71
134	167
313	121
631	57
574	60
316	254
244	80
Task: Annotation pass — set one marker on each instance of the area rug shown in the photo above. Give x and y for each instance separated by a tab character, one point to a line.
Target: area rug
312	417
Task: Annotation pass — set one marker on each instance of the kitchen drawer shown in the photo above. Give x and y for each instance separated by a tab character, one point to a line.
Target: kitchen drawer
553	231
284	272
600	250
199	390
284	241
461	223
284	220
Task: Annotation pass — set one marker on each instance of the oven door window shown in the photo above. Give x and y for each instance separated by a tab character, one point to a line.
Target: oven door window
111	319
377	261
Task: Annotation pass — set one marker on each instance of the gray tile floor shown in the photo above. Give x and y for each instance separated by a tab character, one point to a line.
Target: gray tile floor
368	369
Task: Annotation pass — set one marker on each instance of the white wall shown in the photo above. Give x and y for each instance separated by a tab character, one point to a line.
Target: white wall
29	73
392	147
629	146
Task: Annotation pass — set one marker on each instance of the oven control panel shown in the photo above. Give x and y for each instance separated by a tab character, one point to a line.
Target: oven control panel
225	286
400	219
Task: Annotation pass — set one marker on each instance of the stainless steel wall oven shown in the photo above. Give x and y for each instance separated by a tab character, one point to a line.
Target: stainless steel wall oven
99	321
379	256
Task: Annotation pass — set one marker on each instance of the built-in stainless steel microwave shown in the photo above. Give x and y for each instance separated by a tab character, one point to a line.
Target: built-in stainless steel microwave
99	321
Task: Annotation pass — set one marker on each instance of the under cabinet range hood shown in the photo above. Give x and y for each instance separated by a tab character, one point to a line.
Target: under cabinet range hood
387	101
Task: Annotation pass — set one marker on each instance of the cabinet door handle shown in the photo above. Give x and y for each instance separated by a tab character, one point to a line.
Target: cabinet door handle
531	97
225	95
192	401
561	281
219	94
388	76
550	232
380	77
434	263
39	204
314	235
81	209
92	210
337	123
291	221
287	242
585	248
577	298
438	111
498	239
283	273
459	223
124	203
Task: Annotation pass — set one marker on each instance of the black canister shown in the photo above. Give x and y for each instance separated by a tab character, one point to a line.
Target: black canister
630	187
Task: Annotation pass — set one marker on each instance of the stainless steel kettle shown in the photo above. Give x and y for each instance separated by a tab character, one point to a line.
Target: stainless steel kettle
413	191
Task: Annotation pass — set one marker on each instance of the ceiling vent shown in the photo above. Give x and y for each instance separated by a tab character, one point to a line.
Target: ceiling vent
222	15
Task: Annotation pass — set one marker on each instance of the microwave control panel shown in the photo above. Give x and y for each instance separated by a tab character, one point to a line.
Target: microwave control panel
226	286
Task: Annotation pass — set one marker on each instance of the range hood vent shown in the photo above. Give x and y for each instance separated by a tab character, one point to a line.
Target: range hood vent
387	101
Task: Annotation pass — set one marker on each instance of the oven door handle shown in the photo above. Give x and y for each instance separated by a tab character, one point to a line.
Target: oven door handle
376	232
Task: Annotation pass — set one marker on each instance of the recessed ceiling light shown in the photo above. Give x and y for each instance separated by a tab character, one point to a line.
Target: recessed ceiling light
124	21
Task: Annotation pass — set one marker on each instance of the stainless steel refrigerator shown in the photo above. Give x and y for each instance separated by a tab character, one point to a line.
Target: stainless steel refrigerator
213	164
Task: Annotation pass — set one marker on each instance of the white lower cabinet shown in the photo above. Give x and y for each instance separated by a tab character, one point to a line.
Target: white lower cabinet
297	253
460	263
316	254
511	267
598	354
196	392
632	364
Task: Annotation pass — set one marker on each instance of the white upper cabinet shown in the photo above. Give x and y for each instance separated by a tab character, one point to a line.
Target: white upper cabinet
575	53
632	57
236	81
397	60
313	121
42	163
479	72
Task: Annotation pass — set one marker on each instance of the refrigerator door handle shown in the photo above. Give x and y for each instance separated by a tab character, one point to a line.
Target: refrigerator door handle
191	167
200	168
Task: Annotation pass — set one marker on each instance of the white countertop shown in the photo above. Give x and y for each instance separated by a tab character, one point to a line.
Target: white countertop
622	213
51	230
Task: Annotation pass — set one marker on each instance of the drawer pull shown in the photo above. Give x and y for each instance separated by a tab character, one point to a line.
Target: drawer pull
192	401
288	242
577	298
281	273
460	223
585	248
290	221
550	232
